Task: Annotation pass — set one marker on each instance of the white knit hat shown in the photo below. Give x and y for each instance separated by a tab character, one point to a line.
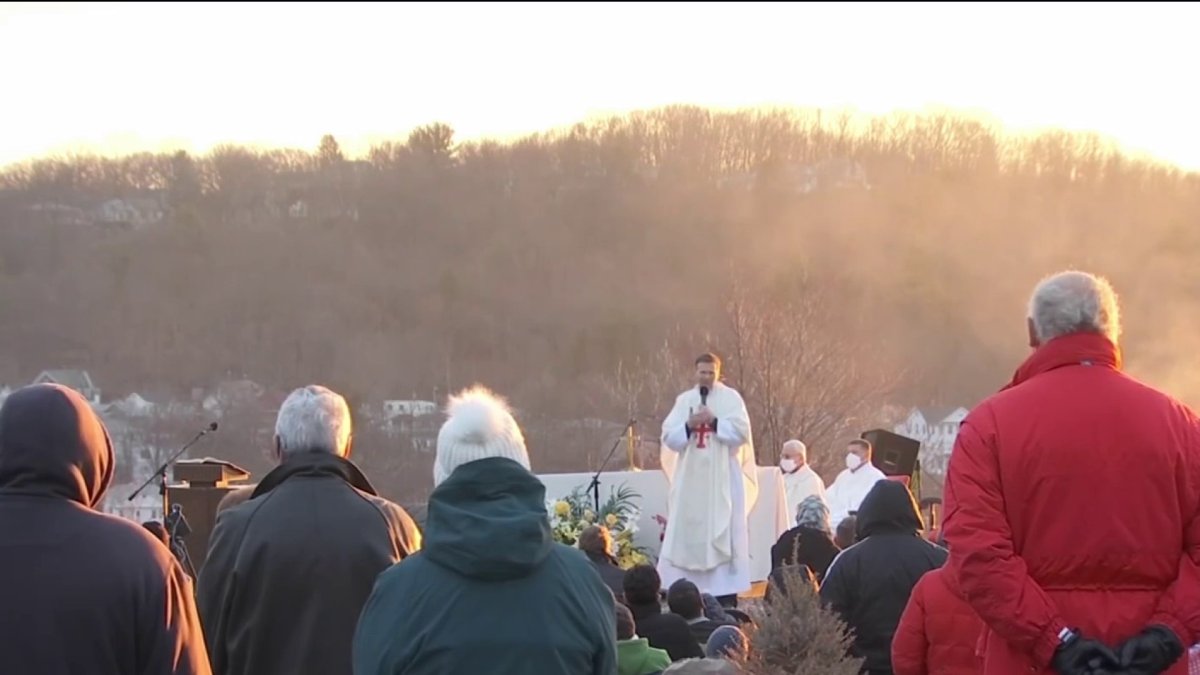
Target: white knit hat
479	425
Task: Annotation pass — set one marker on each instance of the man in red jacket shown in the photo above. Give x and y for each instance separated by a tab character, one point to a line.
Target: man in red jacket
1073	503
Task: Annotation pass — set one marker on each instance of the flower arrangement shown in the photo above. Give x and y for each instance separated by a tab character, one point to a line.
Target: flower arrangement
570	515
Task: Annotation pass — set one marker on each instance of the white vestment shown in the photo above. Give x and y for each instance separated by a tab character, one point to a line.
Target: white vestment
800	485
848	490
712	491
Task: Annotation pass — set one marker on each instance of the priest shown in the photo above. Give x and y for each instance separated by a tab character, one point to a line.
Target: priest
708	458
799	480
852	484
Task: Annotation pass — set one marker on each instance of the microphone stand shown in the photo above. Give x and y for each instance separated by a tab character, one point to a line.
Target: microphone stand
594	486
161	472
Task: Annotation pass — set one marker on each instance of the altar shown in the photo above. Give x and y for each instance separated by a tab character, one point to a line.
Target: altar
768	519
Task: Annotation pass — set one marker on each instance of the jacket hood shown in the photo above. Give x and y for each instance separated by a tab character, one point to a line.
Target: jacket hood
1091	349
888	508
53	444
488	521
314	464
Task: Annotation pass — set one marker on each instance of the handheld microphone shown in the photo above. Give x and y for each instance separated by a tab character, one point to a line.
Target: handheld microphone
703	395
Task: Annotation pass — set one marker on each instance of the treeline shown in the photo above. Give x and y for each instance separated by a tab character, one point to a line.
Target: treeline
538	266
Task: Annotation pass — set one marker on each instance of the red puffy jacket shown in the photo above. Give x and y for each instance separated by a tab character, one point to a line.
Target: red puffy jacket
938	632
1073	500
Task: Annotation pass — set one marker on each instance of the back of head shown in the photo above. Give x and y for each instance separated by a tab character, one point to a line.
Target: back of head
683	598
889	508
1074	302
726	642
847	532
53	444
626	627
595	539
813	513
641	585
313	419
487	517
479	426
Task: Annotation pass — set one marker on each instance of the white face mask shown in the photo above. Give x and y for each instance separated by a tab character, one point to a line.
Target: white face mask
788	465
853	461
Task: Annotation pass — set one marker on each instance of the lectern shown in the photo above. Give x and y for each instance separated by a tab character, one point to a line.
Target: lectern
200	486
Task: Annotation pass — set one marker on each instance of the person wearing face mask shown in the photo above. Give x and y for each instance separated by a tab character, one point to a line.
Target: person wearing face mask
799	480
853	484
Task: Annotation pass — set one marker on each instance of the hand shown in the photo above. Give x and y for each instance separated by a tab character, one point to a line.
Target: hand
1152	651
707	414
1084	656
696	420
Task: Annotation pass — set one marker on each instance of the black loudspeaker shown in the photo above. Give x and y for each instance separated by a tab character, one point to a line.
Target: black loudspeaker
894	455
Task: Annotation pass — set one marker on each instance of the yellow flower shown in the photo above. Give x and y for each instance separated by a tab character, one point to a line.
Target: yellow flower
610	519
589	516
562	509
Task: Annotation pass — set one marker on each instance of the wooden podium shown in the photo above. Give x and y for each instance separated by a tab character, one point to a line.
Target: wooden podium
201	484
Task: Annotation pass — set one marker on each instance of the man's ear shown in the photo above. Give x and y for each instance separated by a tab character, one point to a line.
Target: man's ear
277	450
1034	342
349	447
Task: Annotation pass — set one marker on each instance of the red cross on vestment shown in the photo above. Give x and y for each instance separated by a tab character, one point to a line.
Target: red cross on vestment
702	433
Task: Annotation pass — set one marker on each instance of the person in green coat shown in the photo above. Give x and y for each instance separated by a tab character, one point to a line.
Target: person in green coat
491	591
635	656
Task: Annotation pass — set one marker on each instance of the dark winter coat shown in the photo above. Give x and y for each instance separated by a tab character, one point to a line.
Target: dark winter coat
289	570
82	592
869	583
491	592
666	631
805	546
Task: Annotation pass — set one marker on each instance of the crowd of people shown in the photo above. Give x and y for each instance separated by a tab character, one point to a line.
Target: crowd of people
1057	555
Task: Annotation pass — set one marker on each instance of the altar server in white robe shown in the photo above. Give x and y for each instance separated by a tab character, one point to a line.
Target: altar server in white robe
854	482
708	458
799	480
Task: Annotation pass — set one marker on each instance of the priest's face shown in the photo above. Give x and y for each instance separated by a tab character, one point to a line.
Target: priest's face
707	374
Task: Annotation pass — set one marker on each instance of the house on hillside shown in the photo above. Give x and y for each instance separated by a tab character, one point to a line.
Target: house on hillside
415	418
135	211
55	213
79	380
936	428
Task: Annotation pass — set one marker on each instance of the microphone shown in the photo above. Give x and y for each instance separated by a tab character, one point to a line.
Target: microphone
212	427
703	395
162	470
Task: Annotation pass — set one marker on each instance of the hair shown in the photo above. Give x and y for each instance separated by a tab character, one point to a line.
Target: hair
798	445
626	626
847	532
595	539
683	598
709	357
313	419
862	443
1074	302
641	584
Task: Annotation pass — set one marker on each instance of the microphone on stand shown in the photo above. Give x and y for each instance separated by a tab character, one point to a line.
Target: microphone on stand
594	486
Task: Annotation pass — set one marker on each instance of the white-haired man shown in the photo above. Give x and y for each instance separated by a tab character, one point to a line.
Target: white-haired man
1073	502
491	592
288	571
799	480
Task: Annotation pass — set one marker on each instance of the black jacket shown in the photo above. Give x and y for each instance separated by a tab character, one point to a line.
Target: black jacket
289	570
804	546
869	583
82	592
612	575
665	631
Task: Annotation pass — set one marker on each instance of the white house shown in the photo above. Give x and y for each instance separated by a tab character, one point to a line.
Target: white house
393	409
936	428
79	380
136	211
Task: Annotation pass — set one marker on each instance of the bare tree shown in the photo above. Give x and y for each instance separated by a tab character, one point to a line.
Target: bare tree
800	369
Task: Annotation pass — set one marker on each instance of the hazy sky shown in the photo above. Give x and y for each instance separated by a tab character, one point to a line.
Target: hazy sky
123	77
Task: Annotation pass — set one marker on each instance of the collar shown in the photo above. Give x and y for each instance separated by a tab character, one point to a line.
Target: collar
643	610
314	464
1076	349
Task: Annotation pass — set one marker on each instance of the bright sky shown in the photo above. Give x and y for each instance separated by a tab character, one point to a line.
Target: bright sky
119	78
